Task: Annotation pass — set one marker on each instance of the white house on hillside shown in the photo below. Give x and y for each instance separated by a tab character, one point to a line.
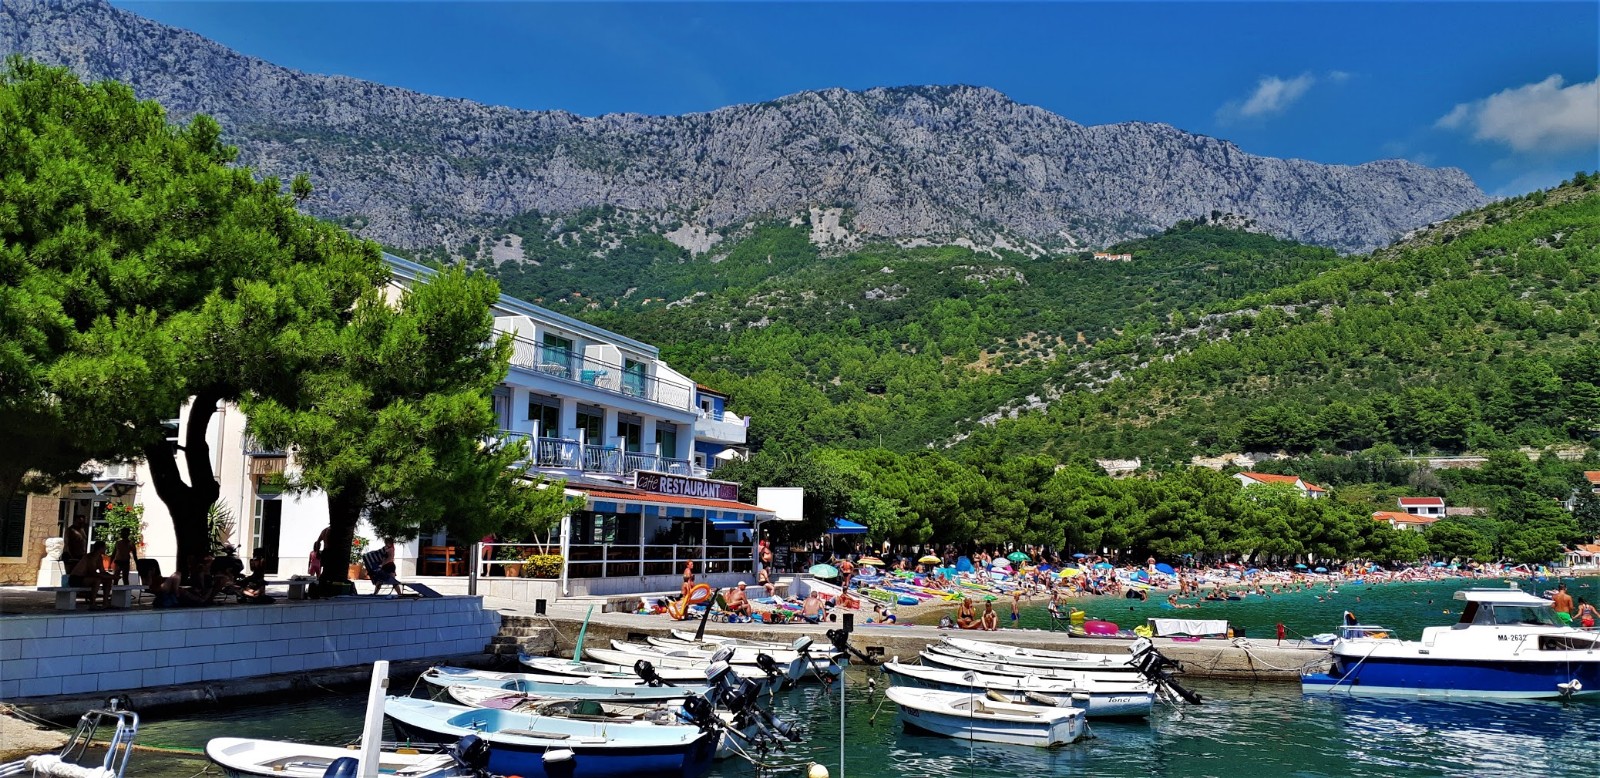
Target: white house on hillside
1306	488
1423	506
1404	521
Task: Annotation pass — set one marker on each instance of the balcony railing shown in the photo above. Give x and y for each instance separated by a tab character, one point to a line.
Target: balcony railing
571	366
572	455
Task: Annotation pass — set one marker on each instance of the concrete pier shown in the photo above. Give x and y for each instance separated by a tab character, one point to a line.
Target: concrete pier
1242	659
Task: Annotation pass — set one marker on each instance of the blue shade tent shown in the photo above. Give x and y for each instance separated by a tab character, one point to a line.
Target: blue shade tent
1102	565
847	527
1163	567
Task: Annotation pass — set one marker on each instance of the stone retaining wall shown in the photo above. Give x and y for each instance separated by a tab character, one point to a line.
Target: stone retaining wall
89	652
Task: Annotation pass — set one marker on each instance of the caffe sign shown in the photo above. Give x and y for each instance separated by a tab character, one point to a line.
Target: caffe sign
684	486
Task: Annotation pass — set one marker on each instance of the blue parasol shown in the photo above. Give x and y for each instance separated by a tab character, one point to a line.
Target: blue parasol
1320	570
1299	567
1163	567
1079	555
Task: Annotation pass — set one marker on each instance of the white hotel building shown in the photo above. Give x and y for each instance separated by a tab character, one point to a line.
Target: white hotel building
597	409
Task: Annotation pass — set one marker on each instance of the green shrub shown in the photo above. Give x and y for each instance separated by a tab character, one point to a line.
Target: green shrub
542	566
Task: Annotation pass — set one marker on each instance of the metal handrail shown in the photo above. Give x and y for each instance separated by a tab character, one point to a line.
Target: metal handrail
707	559
572	366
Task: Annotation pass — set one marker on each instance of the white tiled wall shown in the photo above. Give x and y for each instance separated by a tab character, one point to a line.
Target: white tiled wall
75	653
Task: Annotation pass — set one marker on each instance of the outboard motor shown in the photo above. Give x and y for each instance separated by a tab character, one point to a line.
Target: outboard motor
841	642
699	712
769	666
343	767
1154	666
470	752
648	673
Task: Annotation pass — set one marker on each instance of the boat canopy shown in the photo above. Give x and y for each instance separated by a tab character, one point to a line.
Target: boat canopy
1500	597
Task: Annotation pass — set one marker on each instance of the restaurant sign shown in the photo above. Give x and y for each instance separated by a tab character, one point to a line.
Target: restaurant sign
684	486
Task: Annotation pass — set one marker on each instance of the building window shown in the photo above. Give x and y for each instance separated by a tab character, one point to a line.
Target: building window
631	430
667	440
545	413
591	426
633	378
266	528
556	352
14	526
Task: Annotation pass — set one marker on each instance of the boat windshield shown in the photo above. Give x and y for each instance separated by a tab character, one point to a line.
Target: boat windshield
1525	615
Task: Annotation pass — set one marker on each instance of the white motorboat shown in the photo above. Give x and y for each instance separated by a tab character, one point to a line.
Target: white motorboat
550	665
982	647
1507	644
251	758
794	671
572	687
739	654
1097	699
964	662
976	717
608	707
1023	658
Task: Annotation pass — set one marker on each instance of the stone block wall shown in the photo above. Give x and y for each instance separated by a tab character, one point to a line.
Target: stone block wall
94	652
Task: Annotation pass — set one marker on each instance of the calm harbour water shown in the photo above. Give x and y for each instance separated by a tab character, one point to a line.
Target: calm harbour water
1242	730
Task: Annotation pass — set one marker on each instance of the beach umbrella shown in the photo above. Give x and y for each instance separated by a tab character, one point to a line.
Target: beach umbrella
1320	570
1000	564
1079	556
1102	566
929	559
1018	557
1438	564
870	560
1163	567
824	571
1299	567
1251	571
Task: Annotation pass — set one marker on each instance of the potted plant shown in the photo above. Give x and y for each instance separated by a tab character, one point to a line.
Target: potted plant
358	546
510	559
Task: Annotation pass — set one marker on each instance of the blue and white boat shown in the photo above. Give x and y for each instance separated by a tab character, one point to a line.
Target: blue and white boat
535	746
1507	644
571	687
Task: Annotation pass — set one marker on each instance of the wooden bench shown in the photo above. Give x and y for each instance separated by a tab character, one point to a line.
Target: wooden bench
443	556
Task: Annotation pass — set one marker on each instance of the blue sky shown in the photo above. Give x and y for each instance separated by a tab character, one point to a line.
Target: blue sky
1506	91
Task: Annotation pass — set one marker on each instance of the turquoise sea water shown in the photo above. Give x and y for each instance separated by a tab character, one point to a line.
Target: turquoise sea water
1243	730
1406	608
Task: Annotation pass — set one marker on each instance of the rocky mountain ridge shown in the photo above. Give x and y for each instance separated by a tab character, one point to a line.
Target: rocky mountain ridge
945	163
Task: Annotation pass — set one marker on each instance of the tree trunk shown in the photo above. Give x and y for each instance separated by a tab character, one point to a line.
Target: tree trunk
188	503
344	511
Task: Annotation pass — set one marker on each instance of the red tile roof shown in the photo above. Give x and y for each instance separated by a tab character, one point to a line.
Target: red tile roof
1403	518
1274	478
1422	501
1593	476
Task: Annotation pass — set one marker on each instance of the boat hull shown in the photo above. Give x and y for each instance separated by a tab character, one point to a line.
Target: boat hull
1456	678
1096	704
251	758
690	760
963	725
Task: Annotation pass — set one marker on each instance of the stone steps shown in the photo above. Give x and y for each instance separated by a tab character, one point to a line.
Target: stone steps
522	634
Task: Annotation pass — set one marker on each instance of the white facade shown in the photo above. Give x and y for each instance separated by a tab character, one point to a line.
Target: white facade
594	406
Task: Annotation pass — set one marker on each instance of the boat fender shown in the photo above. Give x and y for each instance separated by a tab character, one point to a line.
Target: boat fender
1036	698
816	771
558	755
996	696
343	767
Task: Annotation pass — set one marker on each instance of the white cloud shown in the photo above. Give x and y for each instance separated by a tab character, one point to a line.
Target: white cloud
1274	95
1544	116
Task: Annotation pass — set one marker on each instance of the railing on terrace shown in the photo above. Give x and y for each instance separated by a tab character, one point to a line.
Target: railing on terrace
565	364
572	455
256	448
621	561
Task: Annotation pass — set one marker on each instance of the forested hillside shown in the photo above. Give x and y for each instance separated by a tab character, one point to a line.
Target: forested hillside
1477	334
902	346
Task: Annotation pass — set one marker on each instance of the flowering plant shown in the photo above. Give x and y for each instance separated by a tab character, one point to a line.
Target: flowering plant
359	544
120	516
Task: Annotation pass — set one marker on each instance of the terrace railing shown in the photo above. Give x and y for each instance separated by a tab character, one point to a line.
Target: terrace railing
572	366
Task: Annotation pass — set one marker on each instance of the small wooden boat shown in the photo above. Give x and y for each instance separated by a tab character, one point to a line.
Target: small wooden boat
570	687
1098	699
608	707
533	745
1030	657
251	758
794	671
550	665
999	668
1098	663
976	717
